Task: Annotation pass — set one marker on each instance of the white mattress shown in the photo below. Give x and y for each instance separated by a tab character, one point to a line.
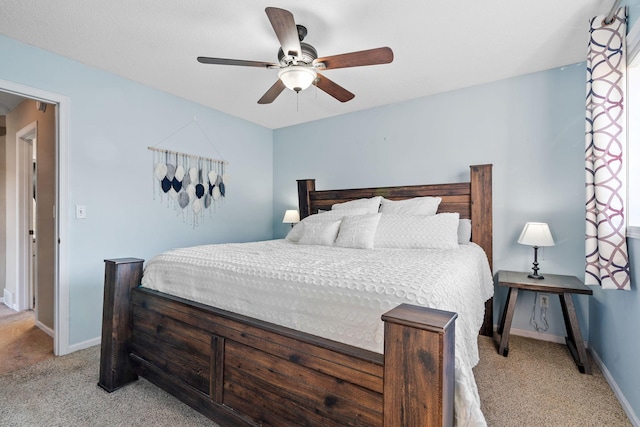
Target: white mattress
338	293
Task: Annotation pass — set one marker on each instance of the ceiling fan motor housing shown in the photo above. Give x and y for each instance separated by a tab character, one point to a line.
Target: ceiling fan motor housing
308	55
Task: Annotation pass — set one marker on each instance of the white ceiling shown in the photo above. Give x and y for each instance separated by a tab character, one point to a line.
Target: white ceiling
438	45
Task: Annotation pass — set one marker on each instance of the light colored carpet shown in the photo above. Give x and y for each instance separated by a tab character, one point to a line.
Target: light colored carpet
21	342
537	385
63	392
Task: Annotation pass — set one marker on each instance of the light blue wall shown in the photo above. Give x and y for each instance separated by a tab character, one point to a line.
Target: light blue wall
634	11
532	129
112	121
615	321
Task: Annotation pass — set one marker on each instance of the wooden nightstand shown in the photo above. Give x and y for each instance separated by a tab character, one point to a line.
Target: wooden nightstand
563	286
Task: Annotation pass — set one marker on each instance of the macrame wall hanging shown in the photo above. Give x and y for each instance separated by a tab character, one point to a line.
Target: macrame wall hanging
192	185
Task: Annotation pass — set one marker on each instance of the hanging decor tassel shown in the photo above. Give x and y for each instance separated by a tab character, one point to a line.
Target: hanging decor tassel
192	184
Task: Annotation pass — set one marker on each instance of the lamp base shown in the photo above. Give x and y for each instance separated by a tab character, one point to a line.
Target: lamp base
535	274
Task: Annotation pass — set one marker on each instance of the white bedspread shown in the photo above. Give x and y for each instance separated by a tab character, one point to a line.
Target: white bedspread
338	293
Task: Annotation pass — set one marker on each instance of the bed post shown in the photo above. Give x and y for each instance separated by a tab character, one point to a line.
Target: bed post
482	227
305	186
419	359
120	276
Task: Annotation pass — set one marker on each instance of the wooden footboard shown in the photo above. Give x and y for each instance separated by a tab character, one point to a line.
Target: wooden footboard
245	372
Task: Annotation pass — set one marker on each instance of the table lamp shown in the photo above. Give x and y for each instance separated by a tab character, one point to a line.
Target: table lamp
536	234
291	216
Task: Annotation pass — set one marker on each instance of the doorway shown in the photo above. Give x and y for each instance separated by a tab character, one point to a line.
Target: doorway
54	211
27	223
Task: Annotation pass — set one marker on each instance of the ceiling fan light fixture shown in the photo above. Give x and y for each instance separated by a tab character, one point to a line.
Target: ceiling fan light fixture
297	77
297	67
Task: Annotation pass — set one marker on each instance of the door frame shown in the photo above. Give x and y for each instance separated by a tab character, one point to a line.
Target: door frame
24	215
61	280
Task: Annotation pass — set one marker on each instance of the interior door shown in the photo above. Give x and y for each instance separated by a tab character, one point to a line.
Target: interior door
25	275
45	215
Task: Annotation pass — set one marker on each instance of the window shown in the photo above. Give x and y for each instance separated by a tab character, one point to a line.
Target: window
633	132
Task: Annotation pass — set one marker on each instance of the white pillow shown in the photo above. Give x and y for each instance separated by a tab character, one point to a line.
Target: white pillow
418	231
319	233
358	231
296	231
372	205
464	231
417	206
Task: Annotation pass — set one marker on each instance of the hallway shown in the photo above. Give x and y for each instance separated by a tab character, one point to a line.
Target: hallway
21	342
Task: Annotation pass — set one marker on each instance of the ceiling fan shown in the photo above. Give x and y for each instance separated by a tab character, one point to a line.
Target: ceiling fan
299	62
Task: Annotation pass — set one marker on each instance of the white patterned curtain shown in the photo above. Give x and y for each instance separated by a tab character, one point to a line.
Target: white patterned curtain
607	260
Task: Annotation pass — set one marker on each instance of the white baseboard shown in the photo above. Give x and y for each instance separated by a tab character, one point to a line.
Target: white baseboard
1	300
633	417
8	299
84	344
47	330
539	336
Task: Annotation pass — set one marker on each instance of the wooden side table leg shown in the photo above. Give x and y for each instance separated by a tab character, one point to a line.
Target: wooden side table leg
504	314
505	322
574	337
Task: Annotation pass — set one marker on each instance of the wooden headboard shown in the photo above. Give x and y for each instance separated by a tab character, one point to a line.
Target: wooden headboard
471	199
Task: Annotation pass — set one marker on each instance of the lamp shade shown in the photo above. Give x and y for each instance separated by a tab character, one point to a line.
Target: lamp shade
297	77
291	216
536	234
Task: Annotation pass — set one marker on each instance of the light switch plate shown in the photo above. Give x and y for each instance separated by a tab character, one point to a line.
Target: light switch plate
81	211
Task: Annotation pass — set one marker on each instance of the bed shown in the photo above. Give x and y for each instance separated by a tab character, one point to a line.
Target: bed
238	369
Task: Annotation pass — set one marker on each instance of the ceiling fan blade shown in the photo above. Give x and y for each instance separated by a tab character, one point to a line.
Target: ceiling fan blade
272	93
333	89
223	61
381	55
285	27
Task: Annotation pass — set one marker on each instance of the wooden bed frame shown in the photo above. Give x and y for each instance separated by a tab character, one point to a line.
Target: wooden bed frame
240	371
